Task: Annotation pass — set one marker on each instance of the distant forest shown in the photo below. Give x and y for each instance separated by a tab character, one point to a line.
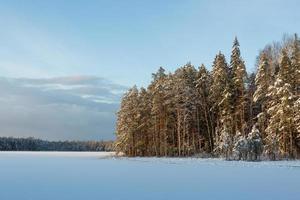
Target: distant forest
32	144
225	112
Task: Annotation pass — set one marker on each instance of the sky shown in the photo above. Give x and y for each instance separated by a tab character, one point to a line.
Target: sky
114	45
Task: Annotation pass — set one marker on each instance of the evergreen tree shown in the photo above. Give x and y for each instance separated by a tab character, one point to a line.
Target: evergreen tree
196	111
252	107
170	105
262	81
238	76
295	62
220	81
225	131
127	124
188	137
297	122
158	112
143	119
204	116
280	127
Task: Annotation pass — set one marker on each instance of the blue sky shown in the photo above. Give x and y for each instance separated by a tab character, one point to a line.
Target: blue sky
125	41
106	46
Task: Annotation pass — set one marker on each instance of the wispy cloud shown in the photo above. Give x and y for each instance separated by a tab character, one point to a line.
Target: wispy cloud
81	107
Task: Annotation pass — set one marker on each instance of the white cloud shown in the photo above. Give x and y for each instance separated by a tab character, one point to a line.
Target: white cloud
81	107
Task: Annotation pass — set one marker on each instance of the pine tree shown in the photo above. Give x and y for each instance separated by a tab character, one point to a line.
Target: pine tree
238	76
220	81
297	122
225	131
295	62
286	72
220	74
280	129
263	80
194	111
171	115
204	117
144	120
186	109
221	101
158	112
127	123
251	108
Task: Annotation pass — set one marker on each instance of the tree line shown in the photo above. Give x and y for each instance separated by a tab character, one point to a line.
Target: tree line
225	112
32	144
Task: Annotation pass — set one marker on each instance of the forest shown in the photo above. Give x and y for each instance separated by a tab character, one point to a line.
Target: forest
32	144
225	112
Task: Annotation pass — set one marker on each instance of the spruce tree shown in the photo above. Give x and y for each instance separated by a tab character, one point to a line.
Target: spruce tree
251	108
238	76
263	80
225	130
280	130
295	63
220	79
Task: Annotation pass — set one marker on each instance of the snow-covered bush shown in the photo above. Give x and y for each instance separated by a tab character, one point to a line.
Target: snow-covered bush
224	145
255	145
271	149
240	148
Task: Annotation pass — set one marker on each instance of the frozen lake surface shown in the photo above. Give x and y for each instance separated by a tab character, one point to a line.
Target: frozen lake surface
96	175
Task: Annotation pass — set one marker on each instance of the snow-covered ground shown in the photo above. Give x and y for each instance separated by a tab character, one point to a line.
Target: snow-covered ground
96	175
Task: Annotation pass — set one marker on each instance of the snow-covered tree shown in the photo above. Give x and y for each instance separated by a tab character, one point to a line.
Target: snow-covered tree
204	116
271	148
186	109
251	107
158	111
143	119
127	124
295	64
297	122
220	95
238	76
263	80
219	80
280	127
193	111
